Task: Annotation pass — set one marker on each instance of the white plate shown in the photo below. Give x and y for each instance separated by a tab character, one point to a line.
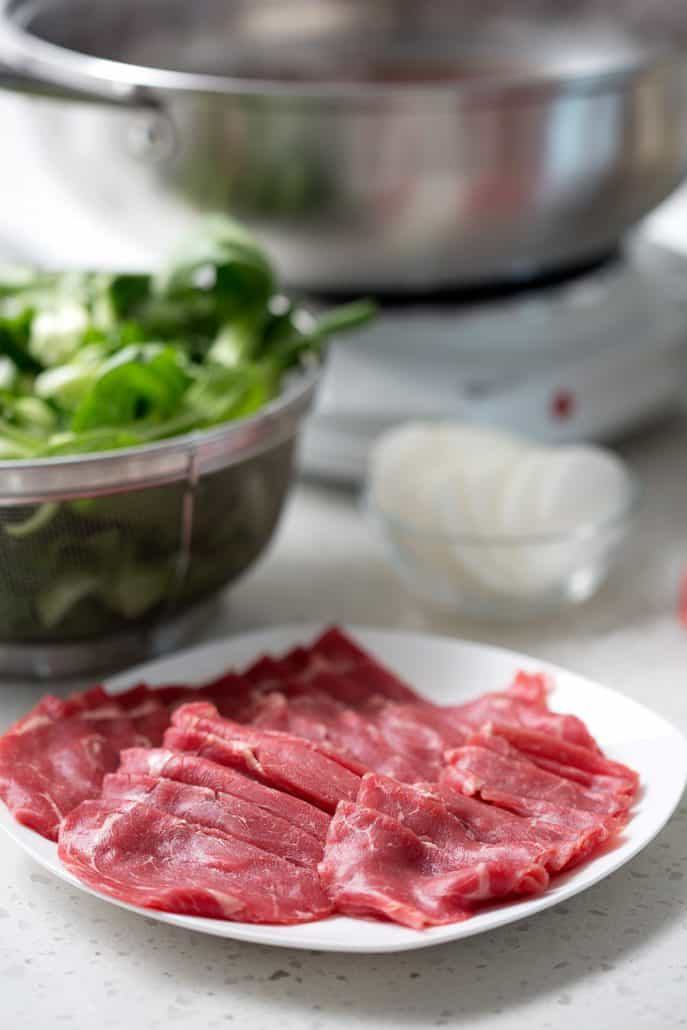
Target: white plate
445	671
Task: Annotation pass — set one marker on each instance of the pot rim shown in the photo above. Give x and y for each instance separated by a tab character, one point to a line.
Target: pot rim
119	81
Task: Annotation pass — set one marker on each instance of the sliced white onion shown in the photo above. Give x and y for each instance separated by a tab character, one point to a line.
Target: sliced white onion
455	480
579	486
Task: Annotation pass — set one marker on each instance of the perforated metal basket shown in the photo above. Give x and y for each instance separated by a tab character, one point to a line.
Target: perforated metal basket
106	557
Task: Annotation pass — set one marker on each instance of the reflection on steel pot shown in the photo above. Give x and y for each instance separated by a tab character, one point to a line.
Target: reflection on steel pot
389	145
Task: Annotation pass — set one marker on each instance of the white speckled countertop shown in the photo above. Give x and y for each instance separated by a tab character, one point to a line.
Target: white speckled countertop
614	957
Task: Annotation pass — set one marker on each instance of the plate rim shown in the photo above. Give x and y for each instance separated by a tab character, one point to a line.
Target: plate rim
44	852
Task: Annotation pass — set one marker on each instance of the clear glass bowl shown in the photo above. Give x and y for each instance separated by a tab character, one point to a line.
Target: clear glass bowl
505	576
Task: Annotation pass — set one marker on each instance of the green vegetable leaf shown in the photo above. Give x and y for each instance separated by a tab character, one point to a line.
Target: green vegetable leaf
65	385
41	517
237	341
291	333
55	601
57	332
346	317
146	389
34	414
219	260
95	361
16	443
224	393
136	587
89	442
15	279
8	373
15	329
128	293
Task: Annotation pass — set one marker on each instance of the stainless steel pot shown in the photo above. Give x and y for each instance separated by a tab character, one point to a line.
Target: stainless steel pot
400	144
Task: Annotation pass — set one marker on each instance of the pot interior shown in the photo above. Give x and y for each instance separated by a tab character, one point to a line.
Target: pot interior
388	42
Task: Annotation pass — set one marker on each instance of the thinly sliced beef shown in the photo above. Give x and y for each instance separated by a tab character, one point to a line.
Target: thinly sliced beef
369	742
319	717
483	772
227	693
56	756
431	819
531	687
404	740
295	661
334	664
509	708
276	759
374	865
147	711
204	717
338	650
617	792
232	695
205	807
570	835
586	779
45	771
419	730
264	671
139	704
50	708
409	721
355	686
141	855
571	761
173	694
199	772
306	716
436	809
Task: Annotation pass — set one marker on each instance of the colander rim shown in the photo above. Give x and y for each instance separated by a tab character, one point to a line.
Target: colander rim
35	481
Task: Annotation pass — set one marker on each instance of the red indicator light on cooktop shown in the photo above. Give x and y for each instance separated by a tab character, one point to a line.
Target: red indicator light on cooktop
563	404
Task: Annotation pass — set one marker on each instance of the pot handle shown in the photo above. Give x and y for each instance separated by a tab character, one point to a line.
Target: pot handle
24	75
21	74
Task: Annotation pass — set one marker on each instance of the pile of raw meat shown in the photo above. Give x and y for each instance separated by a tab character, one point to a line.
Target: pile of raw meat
313	784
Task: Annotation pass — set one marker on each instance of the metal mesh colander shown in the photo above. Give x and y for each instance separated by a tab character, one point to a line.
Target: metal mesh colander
109	548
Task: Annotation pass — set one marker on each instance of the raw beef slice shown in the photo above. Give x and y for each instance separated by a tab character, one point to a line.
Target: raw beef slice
200	772
571	761
138	854
204	717
146	710
276	759
430	817
47	768
205	807
283	766
320	718
373	865
484	770
510	707
333	664
569	834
